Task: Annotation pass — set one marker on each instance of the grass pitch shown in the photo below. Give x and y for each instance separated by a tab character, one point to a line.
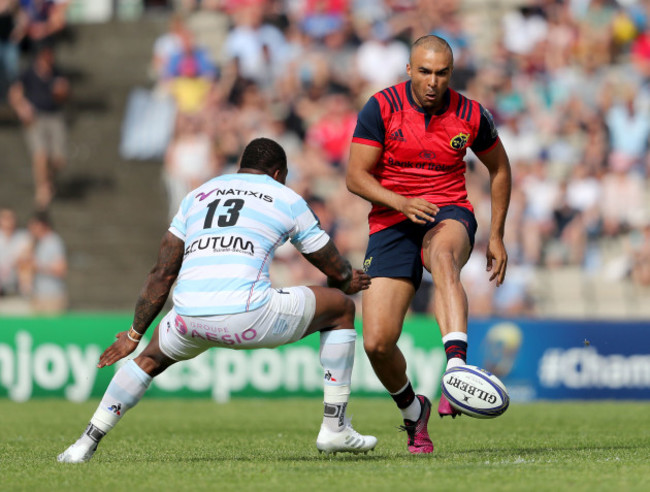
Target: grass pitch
265	445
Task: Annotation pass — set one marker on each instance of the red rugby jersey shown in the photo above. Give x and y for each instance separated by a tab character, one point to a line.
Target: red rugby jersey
422	153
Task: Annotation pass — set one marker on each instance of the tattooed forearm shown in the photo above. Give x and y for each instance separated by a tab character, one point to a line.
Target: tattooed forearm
329	261
158	284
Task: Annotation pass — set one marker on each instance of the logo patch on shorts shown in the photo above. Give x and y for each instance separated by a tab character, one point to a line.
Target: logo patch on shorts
180	325
366	264
280	327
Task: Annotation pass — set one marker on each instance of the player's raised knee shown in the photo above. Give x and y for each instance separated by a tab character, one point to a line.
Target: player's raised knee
377	348
347	310
445	262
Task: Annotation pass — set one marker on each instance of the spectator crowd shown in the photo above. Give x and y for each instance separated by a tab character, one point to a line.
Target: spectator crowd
33	264
568	82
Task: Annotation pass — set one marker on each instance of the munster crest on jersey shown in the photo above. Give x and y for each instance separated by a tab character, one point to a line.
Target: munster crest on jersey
459	141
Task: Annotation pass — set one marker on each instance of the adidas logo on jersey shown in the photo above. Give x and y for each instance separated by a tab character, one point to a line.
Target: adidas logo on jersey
397	135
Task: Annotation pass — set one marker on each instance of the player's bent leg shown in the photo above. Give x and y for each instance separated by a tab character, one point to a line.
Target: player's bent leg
334	318
124	391
382	327
446	249
153	360
333	310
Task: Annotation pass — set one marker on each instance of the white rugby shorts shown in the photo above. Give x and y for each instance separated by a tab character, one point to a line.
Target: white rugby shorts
282	320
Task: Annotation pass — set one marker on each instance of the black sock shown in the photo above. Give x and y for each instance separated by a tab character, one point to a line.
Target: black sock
405	397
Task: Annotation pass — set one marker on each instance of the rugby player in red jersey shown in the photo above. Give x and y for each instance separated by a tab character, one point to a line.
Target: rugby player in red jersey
406	158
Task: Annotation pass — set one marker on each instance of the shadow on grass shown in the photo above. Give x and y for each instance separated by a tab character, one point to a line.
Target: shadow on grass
257	459
545	450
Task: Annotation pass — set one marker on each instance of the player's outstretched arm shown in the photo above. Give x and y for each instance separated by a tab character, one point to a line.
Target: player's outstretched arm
360	181
340	274
152	298
497	163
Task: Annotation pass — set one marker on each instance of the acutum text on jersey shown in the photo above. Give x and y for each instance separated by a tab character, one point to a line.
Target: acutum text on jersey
221	243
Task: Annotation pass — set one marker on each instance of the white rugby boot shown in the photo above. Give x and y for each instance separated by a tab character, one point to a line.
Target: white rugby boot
84	448
346	441
79	452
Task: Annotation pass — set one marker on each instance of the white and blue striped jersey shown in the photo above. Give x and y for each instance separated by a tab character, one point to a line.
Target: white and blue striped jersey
231	226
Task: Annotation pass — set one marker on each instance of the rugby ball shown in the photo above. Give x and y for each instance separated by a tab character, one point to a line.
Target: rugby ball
475	392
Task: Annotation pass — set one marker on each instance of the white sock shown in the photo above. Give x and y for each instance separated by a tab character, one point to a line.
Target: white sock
454	335
337	359
455	362
124	392
412	412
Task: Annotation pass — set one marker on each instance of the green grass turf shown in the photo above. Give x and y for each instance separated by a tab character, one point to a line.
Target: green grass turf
270	445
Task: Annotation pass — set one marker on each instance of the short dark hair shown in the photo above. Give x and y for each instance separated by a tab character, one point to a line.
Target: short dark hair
433	43
265	155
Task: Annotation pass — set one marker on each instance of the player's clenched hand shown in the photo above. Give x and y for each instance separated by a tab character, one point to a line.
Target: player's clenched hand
418	210
359	281
497	260
118	350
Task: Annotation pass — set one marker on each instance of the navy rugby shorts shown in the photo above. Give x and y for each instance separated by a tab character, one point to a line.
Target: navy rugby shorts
396	251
